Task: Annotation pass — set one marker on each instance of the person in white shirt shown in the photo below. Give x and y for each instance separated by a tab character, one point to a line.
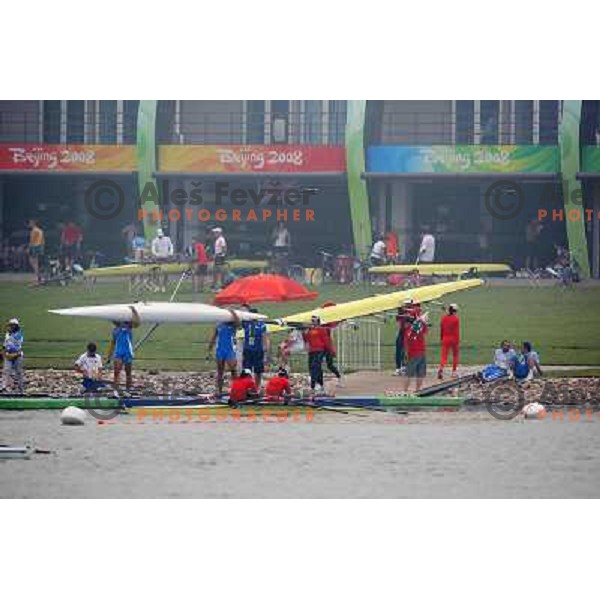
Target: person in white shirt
89	364
282	241
378	252
220	257
504	356
162	247
162	251
427	248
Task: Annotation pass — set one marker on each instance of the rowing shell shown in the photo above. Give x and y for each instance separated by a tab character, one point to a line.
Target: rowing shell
48	403
172	268
442	269
158	312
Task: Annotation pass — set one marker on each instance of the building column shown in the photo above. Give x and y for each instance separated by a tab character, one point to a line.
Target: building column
596	232
401	217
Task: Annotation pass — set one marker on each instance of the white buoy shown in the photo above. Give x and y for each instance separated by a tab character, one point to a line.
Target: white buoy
533	410
73	416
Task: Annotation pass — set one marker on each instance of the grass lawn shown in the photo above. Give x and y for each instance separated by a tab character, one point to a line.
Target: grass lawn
564	325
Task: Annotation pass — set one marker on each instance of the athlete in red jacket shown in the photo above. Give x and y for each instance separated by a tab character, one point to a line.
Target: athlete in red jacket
450	339
318	344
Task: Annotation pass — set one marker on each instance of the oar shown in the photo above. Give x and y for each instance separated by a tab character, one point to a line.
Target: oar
155	326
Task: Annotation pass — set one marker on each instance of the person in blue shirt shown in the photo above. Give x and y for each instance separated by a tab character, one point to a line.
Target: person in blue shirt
256	347
13	355
121	349
224	339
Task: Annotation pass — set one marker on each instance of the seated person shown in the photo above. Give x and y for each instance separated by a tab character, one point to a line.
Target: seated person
89	364
242	388
278	387
527	363
505	355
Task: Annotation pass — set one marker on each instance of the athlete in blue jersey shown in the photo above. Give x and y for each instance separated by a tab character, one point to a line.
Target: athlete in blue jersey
256	346
121	349
12	354
224	340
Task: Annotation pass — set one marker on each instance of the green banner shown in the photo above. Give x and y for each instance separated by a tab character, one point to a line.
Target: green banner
146	156
463	159
590	159
357	187
570	163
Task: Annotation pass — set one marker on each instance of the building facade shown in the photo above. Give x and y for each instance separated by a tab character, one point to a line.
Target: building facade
477	173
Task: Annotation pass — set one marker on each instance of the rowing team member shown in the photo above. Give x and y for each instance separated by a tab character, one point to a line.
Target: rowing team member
223	340
450	339
121	350
243	388
256	346
13	355
320	346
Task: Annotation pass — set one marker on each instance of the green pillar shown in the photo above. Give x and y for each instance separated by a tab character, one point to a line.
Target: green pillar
570	159
146	158
357	186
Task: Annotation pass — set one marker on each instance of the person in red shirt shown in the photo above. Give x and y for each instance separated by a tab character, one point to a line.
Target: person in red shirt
278	388
318	344
450	339
201	271
330	352
415	346
242	388
392	249
71	237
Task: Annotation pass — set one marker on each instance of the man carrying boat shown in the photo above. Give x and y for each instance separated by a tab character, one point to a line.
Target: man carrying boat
318	344
224	339
256	347
121	350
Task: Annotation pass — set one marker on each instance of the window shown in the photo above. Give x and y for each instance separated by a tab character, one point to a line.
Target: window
313	121
52	121
337	122
130	110
523	121
75	121
255	121
489	113
549	122
108	122
465	121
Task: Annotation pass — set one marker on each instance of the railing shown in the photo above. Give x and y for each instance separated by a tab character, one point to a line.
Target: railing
251	128
423	128
57	127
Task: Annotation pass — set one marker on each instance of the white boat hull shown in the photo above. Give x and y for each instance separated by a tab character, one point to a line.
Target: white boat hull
158	312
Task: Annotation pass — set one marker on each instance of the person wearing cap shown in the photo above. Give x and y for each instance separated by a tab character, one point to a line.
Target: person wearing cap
162	251
450	339
402	321
13	355
256	346
223	340
278	387
242	388
318	343
415	343
220	257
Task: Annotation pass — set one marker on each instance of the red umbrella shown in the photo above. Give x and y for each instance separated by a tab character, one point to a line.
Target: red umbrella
263	288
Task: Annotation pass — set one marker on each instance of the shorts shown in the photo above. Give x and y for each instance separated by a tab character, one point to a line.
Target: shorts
416	367
226	355
36	250
126	359
201	269
254	360
219	261
69	251
376	261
